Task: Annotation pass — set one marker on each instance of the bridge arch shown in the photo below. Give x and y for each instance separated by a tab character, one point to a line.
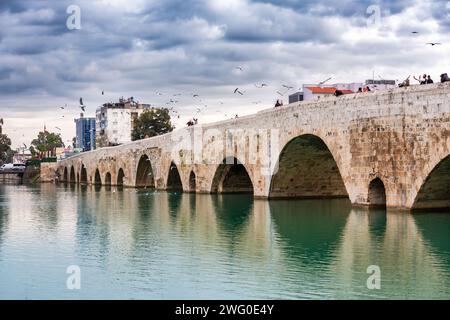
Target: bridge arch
65	175
377	193
83	175
306	168
120	177
435	189
72	175
108	180
97	178
192	182
231	176
144	173
174	179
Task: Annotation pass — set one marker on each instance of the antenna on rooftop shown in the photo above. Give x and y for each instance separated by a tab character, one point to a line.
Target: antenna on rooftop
323	82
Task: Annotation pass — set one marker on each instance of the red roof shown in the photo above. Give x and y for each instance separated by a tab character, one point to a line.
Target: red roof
327	90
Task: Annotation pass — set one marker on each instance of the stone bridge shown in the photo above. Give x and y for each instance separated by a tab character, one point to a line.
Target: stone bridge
380	148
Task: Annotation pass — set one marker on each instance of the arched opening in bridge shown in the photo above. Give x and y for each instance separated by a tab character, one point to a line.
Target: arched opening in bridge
192	182
108	179
232	177
65	175
120	177
97	178
377	193
72	175
307	169
144	173
435	191
174	180
83	175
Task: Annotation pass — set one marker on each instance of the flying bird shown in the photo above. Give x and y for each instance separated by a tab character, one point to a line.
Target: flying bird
239	68
82	108
288	87
415	32
434	43
262	85
58	128
81	102
62	108
103	93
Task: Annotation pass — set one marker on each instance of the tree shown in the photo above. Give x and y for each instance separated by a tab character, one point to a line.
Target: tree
47	142
5	148
152	122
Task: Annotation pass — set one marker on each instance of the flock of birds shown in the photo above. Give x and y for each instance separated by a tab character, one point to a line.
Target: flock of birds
175	98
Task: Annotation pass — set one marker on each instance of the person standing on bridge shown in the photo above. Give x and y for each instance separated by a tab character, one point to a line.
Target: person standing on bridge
421	81
444	78
405	83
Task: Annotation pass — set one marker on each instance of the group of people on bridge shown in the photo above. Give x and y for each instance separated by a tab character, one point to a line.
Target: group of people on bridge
425	79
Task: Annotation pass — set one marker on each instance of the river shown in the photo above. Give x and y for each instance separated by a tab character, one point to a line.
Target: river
145	244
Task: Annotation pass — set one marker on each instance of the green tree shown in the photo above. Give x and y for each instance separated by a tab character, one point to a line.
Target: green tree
5	148
152	122
47	142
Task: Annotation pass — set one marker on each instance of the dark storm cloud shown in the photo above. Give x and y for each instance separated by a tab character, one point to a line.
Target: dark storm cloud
345	8
142	46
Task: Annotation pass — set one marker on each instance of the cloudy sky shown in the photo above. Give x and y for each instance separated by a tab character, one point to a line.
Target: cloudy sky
143	48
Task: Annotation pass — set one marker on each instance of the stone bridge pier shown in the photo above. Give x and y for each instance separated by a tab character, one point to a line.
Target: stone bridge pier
387	148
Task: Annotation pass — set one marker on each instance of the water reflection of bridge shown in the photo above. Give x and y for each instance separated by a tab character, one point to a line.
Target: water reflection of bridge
312	249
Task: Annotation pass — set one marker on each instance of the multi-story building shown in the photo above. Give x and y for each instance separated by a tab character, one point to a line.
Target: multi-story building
115	121
381	84
85	133
296	97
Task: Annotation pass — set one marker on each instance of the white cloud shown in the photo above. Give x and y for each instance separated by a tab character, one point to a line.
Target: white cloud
136	48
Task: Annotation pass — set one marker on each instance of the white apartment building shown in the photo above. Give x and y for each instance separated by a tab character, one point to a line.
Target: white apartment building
114	121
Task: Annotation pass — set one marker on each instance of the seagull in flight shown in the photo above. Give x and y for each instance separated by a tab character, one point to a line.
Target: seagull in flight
81	102
240	92
262	85
415	32
82	108
434	43
239	68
